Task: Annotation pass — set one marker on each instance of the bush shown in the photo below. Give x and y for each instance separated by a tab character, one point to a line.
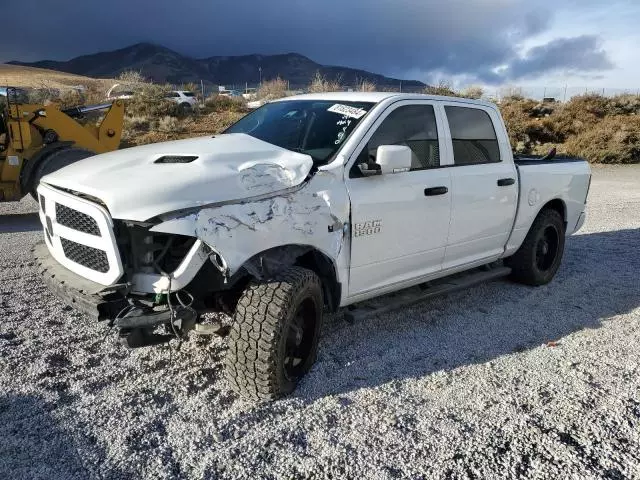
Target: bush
443	88
150	101
624	105
516	116
475	93
138	124
168	124
70	98
272	89
615	139
221	103
320	84
131	78
367	86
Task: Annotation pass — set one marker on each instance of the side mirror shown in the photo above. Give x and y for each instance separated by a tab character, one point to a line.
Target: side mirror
393	158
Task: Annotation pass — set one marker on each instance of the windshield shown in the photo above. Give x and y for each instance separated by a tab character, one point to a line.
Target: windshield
316	128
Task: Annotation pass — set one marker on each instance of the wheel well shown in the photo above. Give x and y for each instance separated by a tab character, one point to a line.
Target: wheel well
559	206
273	260
323	267
27	173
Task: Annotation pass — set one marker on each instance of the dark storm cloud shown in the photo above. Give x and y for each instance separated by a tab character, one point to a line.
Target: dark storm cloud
456	37
580	54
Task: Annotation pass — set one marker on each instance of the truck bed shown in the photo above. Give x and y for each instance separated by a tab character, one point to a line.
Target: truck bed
563	179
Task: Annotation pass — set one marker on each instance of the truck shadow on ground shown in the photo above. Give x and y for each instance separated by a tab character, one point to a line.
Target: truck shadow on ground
38	447
20	222
598	279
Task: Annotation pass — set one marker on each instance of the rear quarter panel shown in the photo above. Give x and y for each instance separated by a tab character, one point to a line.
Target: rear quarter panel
540	183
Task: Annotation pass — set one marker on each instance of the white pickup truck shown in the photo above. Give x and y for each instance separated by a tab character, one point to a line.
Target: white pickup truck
305	205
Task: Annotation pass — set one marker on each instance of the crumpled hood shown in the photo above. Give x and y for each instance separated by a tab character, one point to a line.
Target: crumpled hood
229	167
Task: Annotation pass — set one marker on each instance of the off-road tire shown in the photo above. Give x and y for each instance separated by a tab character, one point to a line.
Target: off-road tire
524	263
257	343
55	161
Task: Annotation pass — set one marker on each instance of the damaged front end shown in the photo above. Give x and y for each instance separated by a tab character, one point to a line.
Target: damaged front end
155	278
121	271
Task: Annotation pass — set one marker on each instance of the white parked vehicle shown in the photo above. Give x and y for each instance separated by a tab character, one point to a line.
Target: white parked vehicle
185	99
309	203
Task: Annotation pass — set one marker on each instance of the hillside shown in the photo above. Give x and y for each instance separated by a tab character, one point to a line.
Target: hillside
161	64
22	76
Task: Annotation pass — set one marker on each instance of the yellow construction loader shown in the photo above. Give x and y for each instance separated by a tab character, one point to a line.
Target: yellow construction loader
36	140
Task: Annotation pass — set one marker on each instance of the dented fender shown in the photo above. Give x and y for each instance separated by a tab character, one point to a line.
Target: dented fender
314	215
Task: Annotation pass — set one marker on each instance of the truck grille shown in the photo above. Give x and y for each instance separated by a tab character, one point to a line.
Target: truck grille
80	236
76	220
84	255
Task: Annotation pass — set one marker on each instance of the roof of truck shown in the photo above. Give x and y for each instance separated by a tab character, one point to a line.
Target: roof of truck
377	97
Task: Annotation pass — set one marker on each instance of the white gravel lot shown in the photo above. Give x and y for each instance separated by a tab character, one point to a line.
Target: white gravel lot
497	381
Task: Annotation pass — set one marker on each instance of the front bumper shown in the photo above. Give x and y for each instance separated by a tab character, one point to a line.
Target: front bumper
91	299
78	292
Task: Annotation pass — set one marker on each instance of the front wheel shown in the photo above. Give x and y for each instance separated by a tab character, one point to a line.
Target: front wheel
274	338
538	258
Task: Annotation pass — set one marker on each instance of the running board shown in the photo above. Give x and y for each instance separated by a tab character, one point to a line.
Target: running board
411	296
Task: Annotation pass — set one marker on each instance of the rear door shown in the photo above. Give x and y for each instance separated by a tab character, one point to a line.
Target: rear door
484	184
399	221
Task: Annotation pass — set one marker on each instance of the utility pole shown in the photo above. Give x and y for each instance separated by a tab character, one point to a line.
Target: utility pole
400	86
260	70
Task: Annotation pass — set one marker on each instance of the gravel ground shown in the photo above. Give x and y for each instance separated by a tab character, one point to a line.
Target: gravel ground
497	381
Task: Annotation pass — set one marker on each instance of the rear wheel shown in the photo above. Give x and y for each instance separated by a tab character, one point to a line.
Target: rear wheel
274	338
55	161
538	258
184	108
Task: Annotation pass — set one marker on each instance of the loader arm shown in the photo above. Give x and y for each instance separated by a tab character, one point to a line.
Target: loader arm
101	138
33	132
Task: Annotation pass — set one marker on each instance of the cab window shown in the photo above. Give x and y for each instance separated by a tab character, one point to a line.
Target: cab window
413	126
473	136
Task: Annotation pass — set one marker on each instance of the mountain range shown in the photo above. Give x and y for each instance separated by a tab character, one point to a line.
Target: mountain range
162	64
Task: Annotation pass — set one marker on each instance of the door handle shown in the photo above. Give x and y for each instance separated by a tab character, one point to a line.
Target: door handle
505	182
430	192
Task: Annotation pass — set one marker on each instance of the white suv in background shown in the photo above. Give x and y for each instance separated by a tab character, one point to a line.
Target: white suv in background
183	98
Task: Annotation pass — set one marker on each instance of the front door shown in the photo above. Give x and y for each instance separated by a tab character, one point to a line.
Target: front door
400	221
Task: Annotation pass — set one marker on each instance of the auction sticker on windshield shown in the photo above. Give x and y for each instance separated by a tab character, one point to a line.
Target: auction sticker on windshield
348	111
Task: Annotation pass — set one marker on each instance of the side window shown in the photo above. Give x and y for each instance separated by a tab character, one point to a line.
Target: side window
474	138
413	126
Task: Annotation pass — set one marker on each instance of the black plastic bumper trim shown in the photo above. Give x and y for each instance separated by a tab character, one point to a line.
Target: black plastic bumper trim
76	291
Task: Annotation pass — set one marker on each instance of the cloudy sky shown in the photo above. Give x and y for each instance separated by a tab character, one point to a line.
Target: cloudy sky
491	42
